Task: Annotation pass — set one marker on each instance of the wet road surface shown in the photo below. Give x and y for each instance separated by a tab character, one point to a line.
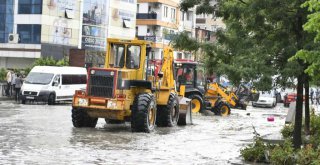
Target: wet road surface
42	134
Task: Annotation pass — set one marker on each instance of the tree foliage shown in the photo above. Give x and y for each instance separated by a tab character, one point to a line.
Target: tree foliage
49	61
311	54
183	41
260	37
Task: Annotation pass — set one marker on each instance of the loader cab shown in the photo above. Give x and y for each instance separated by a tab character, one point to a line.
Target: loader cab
128	57
191	74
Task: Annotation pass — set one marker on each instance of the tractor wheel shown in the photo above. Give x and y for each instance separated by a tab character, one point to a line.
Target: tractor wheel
244	106
168	115
112	121
80	118
143	115
222	109
196	103
286	104
51	99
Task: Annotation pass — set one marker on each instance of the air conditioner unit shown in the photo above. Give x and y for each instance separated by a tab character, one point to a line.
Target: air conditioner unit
156	5
13	38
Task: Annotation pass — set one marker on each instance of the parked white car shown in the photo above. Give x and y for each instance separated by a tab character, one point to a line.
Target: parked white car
50	84
266	99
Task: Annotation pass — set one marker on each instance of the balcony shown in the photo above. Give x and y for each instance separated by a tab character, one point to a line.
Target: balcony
150	38
147	16
200	21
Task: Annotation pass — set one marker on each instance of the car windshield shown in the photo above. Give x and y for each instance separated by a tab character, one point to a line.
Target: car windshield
267	94
38	78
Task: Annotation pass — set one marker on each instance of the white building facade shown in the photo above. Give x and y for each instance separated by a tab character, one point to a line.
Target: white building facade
51	28
157	20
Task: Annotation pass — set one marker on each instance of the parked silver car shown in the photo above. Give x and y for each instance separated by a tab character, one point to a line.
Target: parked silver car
266	99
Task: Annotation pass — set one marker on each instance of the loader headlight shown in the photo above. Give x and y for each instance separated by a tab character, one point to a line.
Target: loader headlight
83	102
112	104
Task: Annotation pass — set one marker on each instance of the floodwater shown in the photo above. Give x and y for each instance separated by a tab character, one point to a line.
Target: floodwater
42	134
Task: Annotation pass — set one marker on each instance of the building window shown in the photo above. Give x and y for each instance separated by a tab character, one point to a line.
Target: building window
29	34
165	13
6	19
182	16
173	14
30	7
188	16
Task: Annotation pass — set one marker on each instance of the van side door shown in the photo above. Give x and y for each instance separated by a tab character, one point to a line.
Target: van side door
56	86
71	83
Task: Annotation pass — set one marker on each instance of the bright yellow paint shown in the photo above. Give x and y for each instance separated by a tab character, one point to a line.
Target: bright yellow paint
214	91
120	108
196	105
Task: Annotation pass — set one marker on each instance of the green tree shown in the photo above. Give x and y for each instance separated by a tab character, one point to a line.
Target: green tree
260	37
49	61
310	54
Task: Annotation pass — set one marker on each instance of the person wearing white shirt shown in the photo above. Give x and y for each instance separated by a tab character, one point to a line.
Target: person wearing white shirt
9	80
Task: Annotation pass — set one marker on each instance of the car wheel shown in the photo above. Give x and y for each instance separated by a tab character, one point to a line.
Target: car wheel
23	101
51	99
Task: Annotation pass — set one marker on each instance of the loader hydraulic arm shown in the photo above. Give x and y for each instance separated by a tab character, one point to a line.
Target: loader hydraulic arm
167	69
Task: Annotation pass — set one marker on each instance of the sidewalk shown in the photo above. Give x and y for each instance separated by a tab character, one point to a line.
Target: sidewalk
2	90
5	98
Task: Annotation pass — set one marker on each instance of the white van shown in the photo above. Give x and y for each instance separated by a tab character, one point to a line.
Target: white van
51	84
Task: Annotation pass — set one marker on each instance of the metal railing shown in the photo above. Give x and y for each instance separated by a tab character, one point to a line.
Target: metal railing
3	87
150	38
146	16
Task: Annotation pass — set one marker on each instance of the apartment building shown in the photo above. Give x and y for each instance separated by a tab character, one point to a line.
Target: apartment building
157	20
207	25
103	19
35	28
30	29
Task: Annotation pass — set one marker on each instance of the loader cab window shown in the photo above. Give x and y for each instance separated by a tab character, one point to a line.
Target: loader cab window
185	76
133	57
200	77
116	56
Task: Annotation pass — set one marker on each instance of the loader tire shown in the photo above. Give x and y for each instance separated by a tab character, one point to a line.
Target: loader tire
80	118
168	115
143	115
196	103
222	109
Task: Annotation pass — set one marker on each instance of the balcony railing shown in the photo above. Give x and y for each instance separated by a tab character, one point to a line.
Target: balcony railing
150	38
200	20
147	16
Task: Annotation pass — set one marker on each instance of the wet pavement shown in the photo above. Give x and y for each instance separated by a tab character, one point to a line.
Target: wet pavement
42	134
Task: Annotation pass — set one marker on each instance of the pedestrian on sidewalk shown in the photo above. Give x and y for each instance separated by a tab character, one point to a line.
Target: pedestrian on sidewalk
318	97
18	82
13	81
9	80
311	95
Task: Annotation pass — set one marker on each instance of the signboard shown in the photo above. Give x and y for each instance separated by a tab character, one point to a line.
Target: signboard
94	24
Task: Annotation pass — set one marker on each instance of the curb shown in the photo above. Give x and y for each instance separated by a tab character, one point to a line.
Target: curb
5	98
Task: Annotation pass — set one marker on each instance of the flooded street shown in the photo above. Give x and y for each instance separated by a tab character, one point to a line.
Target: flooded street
42	134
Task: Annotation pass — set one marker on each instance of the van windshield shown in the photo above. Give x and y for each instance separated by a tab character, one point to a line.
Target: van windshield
38	78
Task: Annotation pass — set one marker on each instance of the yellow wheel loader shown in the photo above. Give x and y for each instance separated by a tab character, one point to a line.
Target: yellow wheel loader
126	91
213	98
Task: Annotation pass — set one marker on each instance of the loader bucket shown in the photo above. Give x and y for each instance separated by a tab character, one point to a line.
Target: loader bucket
185	113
